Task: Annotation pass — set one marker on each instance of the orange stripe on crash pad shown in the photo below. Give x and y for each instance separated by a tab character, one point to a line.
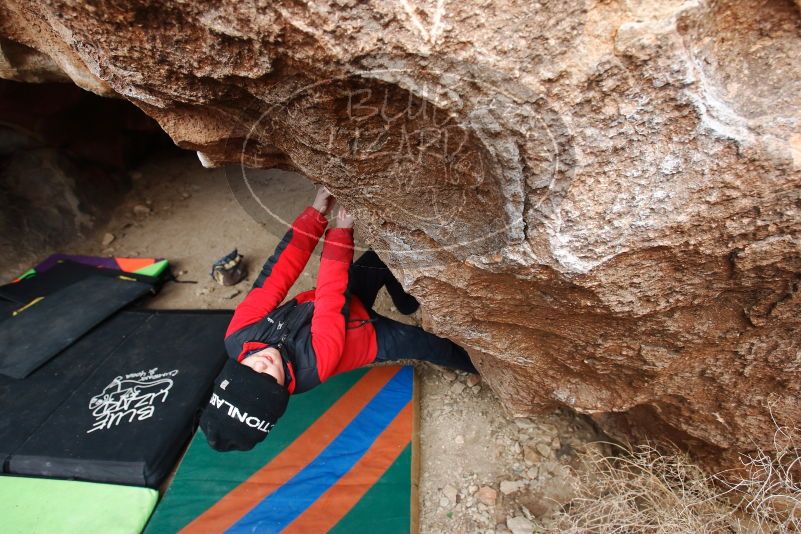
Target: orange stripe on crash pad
130	265
335	503
294	458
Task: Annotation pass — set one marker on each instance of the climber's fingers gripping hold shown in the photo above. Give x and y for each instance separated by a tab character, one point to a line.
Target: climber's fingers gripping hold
344	218
324	200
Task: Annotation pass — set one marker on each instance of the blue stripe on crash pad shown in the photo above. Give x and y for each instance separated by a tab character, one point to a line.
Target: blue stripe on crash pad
286	503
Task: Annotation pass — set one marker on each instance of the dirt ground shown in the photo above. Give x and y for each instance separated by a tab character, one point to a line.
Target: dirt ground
481	470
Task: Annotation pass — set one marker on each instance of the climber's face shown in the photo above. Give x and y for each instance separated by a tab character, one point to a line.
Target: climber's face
267	361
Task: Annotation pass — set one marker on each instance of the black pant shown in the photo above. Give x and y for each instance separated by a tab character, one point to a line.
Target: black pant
398	341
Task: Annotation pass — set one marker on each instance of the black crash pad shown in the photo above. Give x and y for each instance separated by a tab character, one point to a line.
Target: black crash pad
35	333
61	275
25	404
128	420
7	307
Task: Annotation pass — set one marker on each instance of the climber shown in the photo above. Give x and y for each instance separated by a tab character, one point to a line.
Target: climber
277	350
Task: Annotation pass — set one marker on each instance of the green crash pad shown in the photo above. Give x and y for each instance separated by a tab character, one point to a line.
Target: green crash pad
40	505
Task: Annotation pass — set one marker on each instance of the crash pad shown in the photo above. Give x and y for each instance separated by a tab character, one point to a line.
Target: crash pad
127	421
39	330
148	266
26	404
7	307
32	505
62	274
339	460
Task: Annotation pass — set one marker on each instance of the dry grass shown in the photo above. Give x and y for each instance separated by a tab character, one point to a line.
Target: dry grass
649	490
770	492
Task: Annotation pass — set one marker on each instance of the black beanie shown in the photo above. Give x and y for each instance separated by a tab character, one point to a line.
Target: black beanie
243	408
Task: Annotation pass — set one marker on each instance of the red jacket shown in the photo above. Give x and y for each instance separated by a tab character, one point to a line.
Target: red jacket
331	332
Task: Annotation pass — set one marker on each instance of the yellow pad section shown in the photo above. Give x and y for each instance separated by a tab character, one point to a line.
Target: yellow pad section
31	505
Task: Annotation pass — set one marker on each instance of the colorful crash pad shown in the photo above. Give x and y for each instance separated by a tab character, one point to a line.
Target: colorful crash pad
41	505
61	275
39	330
339	460
126	421
146	266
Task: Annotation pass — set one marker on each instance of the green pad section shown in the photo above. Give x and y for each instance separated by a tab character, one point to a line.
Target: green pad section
154	269
390	496
27	274
205	475
42	505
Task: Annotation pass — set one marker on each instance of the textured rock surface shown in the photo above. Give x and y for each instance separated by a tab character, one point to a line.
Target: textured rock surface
601	200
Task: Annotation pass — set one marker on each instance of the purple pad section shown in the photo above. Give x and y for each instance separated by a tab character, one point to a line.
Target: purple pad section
93	261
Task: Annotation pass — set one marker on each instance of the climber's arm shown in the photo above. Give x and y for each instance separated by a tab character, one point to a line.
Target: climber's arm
282	269
331	296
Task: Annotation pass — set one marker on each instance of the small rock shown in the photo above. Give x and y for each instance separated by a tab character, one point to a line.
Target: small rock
231	294
444	502
530	455
544	449
548	429
182	272
450	376
459	440
555	443
185	195
450	493
141	210
520	525
487	495
472	488
457	388
511	486
523	423
473	379
108	238
540	506
202	291
532	473
549	469
527	513
475	389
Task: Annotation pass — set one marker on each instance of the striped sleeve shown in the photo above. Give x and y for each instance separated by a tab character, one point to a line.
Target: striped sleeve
330	301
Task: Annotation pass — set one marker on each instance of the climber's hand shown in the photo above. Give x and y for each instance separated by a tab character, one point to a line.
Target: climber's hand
344	218
324	200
